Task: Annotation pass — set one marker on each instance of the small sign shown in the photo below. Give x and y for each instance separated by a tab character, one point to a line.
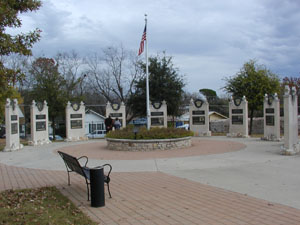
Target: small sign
157	121
270	110
237	111
75	106
115	106
237	120
14	128
116	114
40	126
156	105
76	116
40	106
198	112
270	121
40	117
76	124
14	117
270	99
198	120
157	113
198	103
237	101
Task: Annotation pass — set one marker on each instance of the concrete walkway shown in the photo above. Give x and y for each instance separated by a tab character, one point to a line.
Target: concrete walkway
254	185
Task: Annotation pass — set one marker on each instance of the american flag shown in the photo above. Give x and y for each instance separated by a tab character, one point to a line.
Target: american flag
142	42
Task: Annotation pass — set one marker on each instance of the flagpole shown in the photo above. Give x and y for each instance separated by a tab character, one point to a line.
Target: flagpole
147	79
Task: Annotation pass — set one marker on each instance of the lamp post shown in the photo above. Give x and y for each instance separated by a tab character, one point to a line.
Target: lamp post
135	131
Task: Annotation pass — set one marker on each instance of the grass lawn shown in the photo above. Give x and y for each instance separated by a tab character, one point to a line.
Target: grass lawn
39	206
3	143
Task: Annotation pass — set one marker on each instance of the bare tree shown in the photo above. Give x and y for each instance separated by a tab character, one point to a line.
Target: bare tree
113	73
71	66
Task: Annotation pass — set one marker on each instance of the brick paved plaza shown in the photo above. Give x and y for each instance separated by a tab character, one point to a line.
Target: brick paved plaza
150	197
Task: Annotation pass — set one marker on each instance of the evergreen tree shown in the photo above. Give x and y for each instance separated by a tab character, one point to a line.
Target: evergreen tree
253	81
49	85
164	84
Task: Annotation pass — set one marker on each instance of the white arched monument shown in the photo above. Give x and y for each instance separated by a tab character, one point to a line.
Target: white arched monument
271	118
12	125
116	110
75	121
238	114
158	114
199	118
39	123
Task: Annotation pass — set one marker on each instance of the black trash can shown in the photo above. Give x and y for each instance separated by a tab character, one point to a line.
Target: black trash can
97	187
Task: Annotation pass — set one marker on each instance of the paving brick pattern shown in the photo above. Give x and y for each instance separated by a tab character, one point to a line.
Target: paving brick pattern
156	198
99	150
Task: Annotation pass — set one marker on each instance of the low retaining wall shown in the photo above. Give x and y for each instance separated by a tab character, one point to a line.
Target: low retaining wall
147	145
222	126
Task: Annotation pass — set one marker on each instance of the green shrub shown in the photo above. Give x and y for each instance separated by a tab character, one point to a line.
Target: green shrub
153	133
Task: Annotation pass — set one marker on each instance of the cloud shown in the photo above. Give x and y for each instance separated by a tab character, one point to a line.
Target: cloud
208	39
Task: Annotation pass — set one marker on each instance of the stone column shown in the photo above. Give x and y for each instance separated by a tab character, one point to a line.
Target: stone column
39	123
238	114
116	110
291	142
271	118
75	121
12	126
199	117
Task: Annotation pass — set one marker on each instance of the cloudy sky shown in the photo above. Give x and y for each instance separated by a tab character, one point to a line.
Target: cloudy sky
209	40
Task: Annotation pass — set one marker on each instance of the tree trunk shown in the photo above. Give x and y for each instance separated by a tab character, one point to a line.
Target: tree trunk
53	128
251	121
173	121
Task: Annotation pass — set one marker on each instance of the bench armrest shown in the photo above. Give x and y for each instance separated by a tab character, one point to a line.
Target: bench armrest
84	157
110	168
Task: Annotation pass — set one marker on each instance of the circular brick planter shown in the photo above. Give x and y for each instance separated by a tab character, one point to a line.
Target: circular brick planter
147	145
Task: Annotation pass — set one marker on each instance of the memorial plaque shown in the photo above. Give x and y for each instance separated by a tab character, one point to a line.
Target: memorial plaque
40	117
270	110
40	106
198	112
238	120
116	114
76	116
157	113
198	120
76	106
270	99
40	126
76	124
159	121
237	111
14	128
198	103
14	117
156	105
270	121
115	106
237	101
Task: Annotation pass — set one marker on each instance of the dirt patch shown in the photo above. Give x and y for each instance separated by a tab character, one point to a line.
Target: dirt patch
98	150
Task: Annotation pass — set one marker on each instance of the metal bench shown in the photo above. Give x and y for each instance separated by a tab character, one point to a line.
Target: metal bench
73	165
